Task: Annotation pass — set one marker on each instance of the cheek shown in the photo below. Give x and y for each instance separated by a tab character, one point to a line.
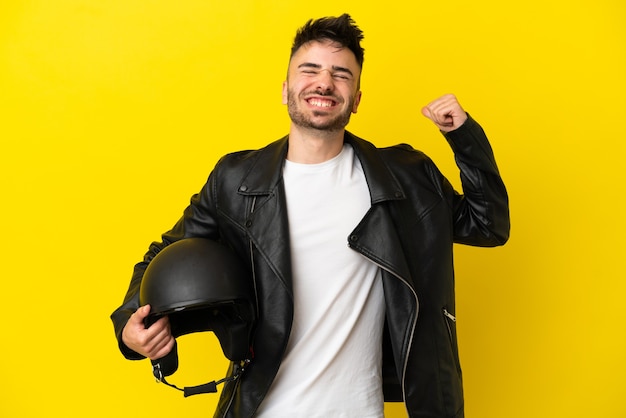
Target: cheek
295	87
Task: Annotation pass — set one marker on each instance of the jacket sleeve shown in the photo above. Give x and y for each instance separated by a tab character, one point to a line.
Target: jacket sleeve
481	213
198	220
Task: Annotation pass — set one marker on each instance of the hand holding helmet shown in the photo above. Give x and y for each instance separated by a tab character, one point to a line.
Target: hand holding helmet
193	285
154	342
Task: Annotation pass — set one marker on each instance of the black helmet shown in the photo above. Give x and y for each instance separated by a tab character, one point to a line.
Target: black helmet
201	286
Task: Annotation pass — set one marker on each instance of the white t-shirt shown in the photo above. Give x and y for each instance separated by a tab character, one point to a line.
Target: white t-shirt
332	366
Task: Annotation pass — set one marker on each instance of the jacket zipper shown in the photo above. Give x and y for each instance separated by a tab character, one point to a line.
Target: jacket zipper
408	349
449	315
417	304
232	397
256	296
451	318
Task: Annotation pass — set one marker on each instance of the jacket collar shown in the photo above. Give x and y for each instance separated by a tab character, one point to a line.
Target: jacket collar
266	172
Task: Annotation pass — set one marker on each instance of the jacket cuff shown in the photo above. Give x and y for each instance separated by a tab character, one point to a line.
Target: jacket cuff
469	126
470	142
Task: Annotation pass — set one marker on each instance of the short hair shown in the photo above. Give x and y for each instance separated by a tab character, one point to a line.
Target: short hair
342	30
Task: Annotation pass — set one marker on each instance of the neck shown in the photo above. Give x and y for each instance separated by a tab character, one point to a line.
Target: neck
312	146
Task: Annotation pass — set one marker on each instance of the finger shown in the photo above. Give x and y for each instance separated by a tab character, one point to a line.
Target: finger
155	342
162	348
438	115
159	338
145	336
444	104
426	112
434	115
140	314
160	327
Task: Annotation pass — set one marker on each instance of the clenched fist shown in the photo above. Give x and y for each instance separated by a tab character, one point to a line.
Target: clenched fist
445	112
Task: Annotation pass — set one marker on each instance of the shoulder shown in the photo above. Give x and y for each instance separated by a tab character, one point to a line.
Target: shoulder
240	160
251	171
395	156
401	164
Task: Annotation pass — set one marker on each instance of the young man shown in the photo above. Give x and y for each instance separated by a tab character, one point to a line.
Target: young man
350	246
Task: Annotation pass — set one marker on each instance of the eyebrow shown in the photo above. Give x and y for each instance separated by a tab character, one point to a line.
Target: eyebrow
319	67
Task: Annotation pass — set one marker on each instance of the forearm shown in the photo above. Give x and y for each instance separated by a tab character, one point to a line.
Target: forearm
481	213
198	220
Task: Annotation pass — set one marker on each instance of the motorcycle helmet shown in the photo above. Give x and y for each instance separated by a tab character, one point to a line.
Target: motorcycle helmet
201	286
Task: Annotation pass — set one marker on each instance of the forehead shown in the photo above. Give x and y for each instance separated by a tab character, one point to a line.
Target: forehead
325	53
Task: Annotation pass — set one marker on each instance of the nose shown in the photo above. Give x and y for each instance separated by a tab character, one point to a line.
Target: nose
324	81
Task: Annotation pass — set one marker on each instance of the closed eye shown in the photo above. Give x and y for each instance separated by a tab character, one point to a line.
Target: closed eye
337	73
342	76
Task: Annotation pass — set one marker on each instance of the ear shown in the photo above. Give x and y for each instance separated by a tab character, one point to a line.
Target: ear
357	100
285	92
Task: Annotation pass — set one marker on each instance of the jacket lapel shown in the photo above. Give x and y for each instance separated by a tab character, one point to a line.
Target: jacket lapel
267	222
377	239
376	235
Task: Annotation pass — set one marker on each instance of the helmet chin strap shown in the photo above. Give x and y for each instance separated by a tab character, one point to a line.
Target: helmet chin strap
210	387
167	365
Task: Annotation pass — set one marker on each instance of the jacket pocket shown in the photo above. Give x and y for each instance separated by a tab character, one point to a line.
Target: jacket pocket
450	321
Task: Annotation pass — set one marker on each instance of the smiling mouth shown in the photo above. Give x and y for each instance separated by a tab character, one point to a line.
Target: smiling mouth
321	102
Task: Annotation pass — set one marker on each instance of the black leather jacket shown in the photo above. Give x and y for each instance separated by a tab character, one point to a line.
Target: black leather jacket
415	218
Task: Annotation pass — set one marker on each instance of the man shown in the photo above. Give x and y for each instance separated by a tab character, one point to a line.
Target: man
350	247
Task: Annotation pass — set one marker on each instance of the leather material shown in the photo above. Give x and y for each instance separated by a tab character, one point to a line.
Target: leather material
409	232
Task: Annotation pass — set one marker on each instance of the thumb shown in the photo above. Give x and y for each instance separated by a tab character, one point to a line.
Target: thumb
426	113
142	313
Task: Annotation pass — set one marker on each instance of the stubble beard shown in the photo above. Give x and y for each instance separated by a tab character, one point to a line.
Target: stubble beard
299	118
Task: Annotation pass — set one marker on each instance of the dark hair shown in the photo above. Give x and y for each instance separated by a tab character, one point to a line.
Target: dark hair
342	30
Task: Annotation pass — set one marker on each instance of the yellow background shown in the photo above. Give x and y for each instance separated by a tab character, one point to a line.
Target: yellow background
112	113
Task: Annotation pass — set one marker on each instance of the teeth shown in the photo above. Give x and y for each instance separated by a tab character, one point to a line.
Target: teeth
321	103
